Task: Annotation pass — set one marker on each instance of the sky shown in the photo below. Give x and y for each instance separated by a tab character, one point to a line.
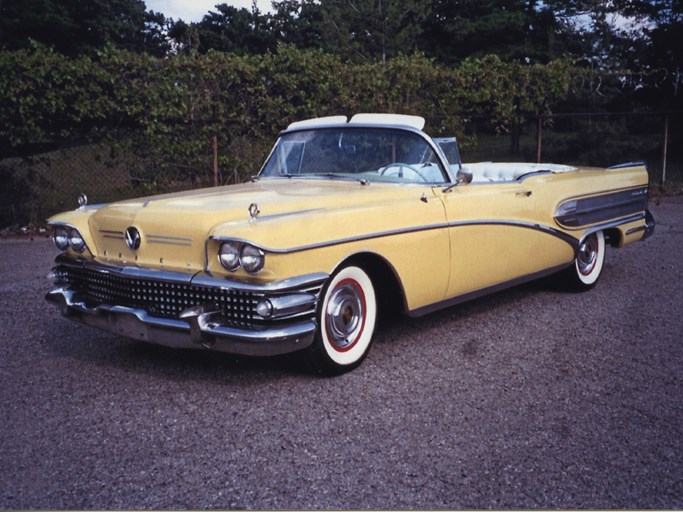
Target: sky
194	10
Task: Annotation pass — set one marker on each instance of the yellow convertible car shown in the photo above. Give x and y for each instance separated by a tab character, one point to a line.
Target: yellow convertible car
345	219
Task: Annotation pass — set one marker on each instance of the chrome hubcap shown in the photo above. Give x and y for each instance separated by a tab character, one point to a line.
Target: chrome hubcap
344	316
588	254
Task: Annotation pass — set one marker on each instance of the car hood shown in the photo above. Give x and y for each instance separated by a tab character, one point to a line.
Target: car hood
174	228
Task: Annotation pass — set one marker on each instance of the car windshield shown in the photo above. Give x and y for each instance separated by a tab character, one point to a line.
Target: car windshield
372	154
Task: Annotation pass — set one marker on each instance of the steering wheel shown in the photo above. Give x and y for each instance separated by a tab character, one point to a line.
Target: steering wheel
397	168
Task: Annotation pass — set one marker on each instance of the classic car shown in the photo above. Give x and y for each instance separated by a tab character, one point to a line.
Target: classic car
347	219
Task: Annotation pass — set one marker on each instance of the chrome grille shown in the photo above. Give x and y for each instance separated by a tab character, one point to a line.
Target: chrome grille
158	298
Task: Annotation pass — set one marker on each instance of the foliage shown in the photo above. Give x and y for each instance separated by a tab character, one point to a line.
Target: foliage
374	30
229	29
74	27
150	95
171	108
512	29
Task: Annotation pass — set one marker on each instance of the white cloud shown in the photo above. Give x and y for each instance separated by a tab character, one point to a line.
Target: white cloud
194	10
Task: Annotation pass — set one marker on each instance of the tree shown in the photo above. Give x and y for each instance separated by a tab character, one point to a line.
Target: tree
75	27
665	50
300	23
228	29
374	30
517	30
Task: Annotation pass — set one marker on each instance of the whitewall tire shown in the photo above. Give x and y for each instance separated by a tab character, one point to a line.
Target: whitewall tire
587	266
347	318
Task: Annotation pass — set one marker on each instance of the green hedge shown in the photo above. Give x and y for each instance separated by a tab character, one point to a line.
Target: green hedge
173	106
121	124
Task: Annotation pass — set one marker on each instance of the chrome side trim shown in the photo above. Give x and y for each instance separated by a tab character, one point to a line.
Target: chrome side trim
573	241
169	240
614	224
394	232
637	163
65	224
636	230
648	227
108	233
294	304
289	214
581	211
339	241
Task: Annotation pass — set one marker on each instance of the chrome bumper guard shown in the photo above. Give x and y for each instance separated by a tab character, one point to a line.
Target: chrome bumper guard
200	326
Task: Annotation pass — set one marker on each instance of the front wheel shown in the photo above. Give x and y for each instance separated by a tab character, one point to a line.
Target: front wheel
347	318
587	266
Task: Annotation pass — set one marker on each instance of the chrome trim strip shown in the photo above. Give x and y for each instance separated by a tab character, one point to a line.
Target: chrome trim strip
295	283
605	192
65	224
636	229
163	242
199	278
169	240
525	225
613	224
340	241
113	234
292	305
637	163
394	232
580	212
175	238
126	271
533	174
288	214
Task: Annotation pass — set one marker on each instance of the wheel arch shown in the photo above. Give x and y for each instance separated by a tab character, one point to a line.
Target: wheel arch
613	237
388	287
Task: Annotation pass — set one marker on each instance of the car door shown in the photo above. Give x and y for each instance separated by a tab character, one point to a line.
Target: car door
497	236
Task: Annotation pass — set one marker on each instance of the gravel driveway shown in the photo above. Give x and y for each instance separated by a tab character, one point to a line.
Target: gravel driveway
531	398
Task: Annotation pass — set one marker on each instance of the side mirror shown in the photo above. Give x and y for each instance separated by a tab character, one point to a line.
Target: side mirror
463	176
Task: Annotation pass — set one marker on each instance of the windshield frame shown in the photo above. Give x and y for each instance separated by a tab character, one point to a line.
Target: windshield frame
441	160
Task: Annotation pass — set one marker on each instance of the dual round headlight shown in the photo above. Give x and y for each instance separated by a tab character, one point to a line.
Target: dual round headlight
68	237
61	238
234	255
229	255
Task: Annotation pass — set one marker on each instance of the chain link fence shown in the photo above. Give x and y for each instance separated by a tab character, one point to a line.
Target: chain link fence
35	186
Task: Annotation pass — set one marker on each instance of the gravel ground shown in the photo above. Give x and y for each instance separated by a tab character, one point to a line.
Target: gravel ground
530	398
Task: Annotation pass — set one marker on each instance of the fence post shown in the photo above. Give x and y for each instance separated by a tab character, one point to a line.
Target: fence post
539	139
666	144
214	142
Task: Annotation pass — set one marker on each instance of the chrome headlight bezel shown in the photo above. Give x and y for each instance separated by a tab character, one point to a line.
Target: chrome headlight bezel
76	241
229	255
234	254
60	237
252	258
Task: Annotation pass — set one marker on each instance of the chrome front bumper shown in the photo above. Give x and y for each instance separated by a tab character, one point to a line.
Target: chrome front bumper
202	325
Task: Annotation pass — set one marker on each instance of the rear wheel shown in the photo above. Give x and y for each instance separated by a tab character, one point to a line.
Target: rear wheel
587	267
347	317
